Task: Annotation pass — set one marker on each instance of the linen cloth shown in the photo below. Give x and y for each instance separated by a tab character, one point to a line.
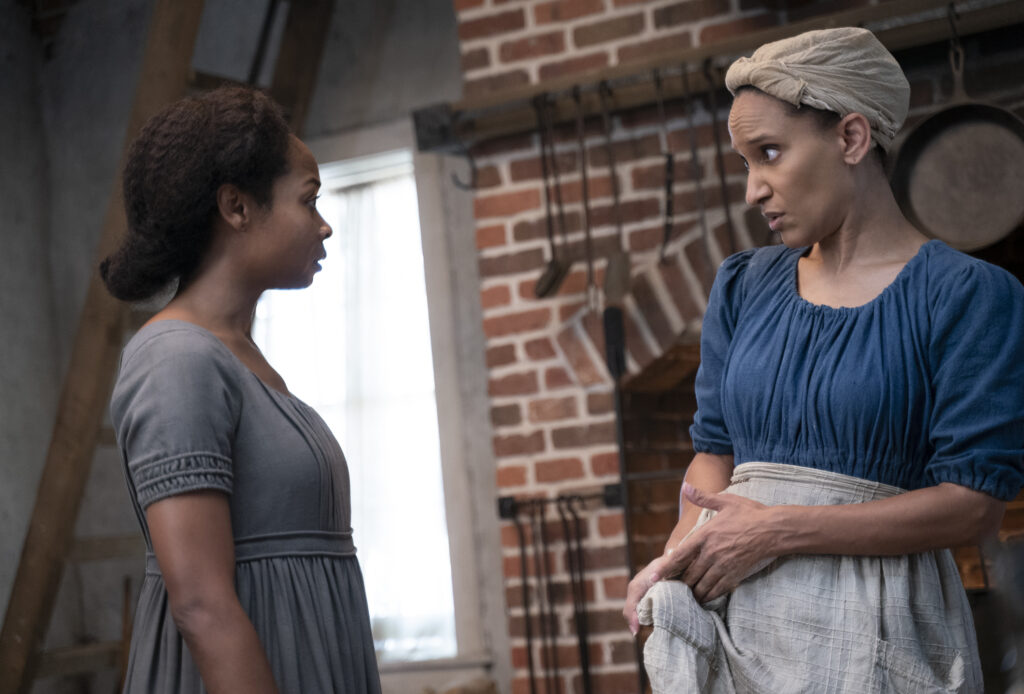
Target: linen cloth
820	624
844	70
190	416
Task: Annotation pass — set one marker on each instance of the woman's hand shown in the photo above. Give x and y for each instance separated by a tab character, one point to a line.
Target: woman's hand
718	555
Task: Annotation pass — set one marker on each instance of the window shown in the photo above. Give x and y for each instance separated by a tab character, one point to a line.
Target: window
356	346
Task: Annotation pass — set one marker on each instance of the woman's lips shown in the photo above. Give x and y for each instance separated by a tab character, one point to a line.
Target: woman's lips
774	220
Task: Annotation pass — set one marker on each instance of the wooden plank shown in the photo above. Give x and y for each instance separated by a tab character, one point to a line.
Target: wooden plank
298	59
74	660
163	77
509	111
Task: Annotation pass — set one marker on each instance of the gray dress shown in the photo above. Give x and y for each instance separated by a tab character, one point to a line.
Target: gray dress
190	416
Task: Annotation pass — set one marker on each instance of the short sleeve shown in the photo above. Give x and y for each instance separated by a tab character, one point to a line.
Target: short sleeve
976	352
175	412
709	432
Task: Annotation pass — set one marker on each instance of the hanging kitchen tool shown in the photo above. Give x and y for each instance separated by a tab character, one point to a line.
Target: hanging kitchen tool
695	167
617	273
574	560
525	590
551	666
588	243
669	165
719	159
543	593
553	163
555	271
959	175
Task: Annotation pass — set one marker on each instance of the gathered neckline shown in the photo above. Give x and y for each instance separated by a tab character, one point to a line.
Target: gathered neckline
221	345
794	285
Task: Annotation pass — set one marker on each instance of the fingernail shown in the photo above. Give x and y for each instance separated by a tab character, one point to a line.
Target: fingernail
633	630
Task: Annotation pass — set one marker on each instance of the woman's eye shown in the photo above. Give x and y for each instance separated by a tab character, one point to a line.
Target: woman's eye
770	153
312	201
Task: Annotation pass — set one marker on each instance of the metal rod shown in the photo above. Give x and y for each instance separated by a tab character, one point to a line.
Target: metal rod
524	576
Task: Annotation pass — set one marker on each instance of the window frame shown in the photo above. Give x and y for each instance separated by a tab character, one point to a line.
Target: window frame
447	232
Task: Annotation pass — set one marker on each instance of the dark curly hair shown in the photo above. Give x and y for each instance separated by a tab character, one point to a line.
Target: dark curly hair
175	166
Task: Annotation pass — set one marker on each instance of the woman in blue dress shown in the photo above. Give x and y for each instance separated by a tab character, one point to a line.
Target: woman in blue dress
860	410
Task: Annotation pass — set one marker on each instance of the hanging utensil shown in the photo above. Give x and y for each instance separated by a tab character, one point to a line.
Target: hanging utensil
959	175
543	594
574	555
669	165
555	271
719	159
695	168
618	270
588	245
553	163
527	619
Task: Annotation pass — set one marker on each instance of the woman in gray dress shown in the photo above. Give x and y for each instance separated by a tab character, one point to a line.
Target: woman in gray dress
252	584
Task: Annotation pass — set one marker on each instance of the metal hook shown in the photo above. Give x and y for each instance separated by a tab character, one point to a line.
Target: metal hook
952	15
466	152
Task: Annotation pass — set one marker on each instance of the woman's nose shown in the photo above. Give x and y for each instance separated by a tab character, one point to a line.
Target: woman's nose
757	189
326	230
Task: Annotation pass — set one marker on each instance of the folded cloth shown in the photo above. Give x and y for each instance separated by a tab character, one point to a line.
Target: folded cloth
821	624
845	70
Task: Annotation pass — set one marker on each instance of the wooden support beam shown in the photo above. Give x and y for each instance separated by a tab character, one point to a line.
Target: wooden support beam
163	77
74	660
510	111
298	59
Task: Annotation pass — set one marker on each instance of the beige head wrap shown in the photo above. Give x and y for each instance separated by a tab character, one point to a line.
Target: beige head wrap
844	70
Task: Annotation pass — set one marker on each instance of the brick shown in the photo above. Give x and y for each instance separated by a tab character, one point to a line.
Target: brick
495	83
530	169
490	236
679	289
539	349
499	295
816	9
607	622
518	444
488	177
475	59
688	12
500	355
492	25
622	652
514	323
631	211
573	66
615	587
645	49
512	263
565	10
538	229
626	151
582	364
636	344
511	476
608	30
506	415
599	403
583	436
610	525
461	5
552	409
597	188
604	464
532	47
506	204
500	146
570	311
559	470
649	305
524	383
724	30
653	177
556	377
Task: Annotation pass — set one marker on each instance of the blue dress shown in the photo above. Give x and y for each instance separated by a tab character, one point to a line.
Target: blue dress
922	385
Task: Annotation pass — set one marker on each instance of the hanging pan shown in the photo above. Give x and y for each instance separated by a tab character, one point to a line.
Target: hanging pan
959	175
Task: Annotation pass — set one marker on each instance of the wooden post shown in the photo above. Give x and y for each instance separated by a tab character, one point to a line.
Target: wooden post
298	59
163	77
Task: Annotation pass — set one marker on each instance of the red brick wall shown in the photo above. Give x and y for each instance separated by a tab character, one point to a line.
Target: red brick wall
551	405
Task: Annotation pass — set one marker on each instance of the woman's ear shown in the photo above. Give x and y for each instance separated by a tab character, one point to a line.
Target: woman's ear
234	206
855	137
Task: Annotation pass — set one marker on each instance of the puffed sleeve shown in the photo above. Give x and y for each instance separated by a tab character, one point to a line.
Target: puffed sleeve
976	353
175	412
709	432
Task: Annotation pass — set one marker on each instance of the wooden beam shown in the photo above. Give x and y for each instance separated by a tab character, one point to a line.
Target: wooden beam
113	547
74	660
163	77
510	111
298	59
